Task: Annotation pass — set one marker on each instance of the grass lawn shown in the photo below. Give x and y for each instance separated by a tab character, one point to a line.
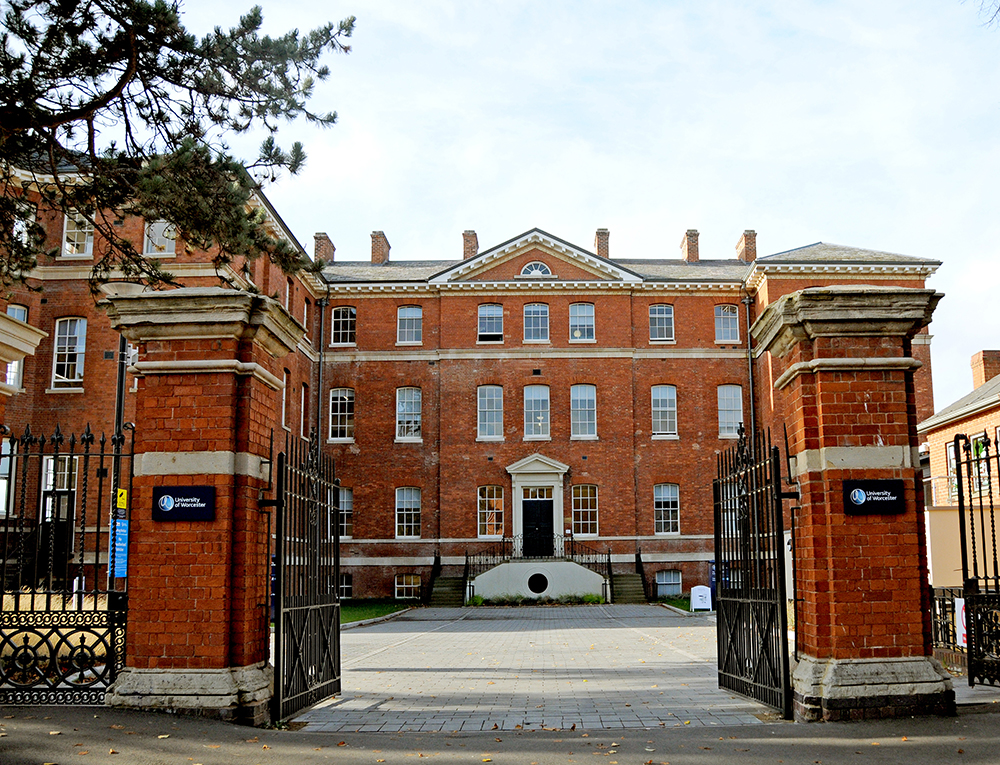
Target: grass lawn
358	610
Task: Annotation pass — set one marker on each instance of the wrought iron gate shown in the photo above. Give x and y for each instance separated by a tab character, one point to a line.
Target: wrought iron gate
976	467
64	509
307	565
750	573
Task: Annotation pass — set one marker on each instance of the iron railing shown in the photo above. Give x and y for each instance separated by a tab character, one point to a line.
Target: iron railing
512	548
976	464
63	545
944	620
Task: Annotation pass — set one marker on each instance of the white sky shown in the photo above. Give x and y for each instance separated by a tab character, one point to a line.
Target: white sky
862	123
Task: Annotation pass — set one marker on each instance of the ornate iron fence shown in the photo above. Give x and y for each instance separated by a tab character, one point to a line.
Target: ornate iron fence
64	513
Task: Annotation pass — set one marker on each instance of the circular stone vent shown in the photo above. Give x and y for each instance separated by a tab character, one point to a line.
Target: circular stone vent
538	583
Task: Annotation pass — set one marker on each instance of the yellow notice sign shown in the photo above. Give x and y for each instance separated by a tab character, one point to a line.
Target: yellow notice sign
122	499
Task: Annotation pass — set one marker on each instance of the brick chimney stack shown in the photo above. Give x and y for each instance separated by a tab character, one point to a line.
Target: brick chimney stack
380	248
470	244
601	242
689	246
985	366
746	248
323	248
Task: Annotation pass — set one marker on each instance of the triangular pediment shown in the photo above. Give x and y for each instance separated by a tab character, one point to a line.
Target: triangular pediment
537	463
563	261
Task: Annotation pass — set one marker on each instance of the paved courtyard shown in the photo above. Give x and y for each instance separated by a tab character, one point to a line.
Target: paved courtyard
592	667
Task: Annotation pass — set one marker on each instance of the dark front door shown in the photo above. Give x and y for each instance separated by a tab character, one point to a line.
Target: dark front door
537	514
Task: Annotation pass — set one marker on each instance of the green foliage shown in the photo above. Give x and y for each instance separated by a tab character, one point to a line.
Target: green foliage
112	107
508	599
683	603
359	610
475	600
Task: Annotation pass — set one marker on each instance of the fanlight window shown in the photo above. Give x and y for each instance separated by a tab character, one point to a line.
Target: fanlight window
536	268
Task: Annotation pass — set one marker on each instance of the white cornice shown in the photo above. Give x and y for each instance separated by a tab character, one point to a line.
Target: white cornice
760	271
352	289
532	240
523	352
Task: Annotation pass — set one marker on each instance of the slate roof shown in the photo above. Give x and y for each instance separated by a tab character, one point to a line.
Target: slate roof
654	270
823	252
981	398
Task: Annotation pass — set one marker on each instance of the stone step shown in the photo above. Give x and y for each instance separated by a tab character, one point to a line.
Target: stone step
628	589
448	592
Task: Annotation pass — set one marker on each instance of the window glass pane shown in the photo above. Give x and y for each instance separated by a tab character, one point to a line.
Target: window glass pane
70	342
536	321
730	410
15	369
490	323
583	410
346	586
661	322
346	513
490	411
408	413
581	321
668	583
490	511
407	586
160	238
409	324
78	238
342	413
585	510
727	328
343	330
666	509
536	268
664	410
408	512
536	410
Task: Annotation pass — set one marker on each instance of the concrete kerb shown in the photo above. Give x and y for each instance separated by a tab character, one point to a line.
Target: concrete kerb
375	619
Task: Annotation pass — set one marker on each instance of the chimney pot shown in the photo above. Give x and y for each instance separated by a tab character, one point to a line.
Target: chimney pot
323	248
689	246
601	242
985	366
470	244
380	248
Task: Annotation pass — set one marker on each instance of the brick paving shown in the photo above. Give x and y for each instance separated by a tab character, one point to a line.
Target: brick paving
593	667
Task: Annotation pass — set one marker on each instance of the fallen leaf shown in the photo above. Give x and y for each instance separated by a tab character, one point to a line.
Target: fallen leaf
165	735
112	751
207	746
341	743
55	733
265	747
84	752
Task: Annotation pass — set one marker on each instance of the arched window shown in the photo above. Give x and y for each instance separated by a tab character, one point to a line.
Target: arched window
490	323
583	411
490	405
536	268
342	414
666	509
409	324
536	323
342	330
730	410
536	411
727	324
661	322
664	400
581	322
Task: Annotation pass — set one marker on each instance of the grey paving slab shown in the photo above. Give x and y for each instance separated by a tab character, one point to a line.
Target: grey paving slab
592	667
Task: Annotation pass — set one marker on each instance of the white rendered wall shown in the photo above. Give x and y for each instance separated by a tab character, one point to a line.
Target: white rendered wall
564	578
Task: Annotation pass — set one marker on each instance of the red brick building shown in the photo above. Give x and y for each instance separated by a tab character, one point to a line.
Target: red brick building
531	391
538	388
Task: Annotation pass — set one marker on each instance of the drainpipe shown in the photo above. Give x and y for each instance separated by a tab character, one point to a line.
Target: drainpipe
747	301
322	304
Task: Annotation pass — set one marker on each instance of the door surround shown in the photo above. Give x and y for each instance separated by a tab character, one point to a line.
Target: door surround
537	470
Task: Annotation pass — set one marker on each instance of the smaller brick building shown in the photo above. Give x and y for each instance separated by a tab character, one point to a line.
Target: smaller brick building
976	415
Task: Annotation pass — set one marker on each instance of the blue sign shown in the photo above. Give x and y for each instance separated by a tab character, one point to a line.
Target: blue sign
120	536
184	503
